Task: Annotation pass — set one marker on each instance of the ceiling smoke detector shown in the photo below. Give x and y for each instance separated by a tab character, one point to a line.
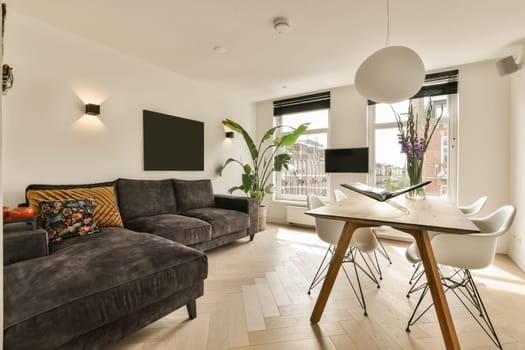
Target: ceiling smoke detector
219	49
281	25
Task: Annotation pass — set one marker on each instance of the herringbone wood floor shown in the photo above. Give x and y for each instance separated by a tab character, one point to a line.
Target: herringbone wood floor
255	298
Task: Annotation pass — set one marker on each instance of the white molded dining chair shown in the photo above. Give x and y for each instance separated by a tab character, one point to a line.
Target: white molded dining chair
474	208
464	252
412	254
363	241
340	196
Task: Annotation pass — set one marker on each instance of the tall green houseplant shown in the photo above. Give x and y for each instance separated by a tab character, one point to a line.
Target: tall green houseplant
266	158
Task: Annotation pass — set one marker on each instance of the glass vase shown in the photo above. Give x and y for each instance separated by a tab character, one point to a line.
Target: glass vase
415	175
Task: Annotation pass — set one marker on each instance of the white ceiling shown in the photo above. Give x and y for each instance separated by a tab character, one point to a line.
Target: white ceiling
327	41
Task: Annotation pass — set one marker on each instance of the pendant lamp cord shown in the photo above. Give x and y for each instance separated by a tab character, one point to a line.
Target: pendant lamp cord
387	41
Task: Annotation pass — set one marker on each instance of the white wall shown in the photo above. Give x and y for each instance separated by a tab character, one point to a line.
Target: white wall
47	138
517	166
483	131
483	137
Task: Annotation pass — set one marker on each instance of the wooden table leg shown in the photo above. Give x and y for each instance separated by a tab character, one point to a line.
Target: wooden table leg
436	289
333	269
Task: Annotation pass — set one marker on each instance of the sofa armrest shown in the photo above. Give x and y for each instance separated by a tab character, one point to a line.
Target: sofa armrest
244	204
23	243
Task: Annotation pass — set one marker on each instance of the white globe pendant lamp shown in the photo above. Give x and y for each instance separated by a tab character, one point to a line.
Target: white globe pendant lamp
391	74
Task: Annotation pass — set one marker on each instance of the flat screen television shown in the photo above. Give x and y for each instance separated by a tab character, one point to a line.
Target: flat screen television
346	160
172	143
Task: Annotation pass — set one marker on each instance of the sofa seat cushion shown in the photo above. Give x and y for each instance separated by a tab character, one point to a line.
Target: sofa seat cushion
178	228
87	282
223	221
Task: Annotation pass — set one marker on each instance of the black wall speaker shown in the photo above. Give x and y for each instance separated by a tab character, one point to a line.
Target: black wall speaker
507	66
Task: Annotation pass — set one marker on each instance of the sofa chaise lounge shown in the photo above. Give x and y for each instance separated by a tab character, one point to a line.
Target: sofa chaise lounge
88	291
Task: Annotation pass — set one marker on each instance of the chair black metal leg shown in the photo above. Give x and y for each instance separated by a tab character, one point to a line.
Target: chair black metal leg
418	266
487	327
484	312
317	277
370	274
359	295
383	250
464	288
376	265
416	286
349	258
360	289
413	321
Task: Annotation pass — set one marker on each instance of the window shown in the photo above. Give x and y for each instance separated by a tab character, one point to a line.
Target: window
306	172
444	155
389	171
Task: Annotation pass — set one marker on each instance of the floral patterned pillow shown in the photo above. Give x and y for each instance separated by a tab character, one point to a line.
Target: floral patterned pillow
68	218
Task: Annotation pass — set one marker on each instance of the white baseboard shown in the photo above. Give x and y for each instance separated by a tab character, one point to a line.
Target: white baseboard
517	260
276	220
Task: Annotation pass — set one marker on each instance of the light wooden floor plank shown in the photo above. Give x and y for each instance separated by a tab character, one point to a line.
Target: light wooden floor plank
269	308
238	330
343	342
281	298
252	309
308	344
295	333
219	327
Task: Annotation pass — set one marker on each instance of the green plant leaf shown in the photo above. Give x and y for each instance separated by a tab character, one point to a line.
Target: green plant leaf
234	188
257	194
248	181
269	134
247	138
247	168
290	139
281	160
220	169
269	188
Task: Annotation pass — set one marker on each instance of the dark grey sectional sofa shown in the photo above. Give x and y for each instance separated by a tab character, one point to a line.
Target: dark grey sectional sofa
87	291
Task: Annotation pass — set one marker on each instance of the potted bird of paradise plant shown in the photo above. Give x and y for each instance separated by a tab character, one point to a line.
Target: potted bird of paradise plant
266	158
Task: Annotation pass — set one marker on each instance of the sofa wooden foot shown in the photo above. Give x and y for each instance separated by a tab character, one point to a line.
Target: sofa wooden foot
192	309
251	237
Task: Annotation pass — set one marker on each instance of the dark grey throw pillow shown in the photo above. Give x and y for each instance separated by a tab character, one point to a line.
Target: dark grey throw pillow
193	194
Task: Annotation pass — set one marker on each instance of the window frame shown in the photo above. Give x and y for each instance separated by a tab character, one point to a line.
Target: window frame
277	196
452	117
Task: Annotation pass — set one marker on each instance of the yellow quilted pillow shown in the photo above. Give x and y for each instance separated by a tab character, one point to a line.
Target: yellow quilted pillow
106	211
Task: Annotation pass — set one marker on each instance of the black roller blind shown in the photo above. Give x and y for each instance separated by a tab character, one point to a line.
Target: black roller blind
436	84
302	103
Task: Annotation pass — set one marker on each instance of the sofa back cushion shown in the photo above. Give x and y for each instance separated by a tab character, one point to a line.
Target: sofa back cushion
138	198
106	209
193	194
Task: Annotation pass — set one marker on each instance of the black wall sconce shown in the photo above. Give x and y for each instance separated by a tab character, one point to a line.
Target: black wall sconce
230	134
92	109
